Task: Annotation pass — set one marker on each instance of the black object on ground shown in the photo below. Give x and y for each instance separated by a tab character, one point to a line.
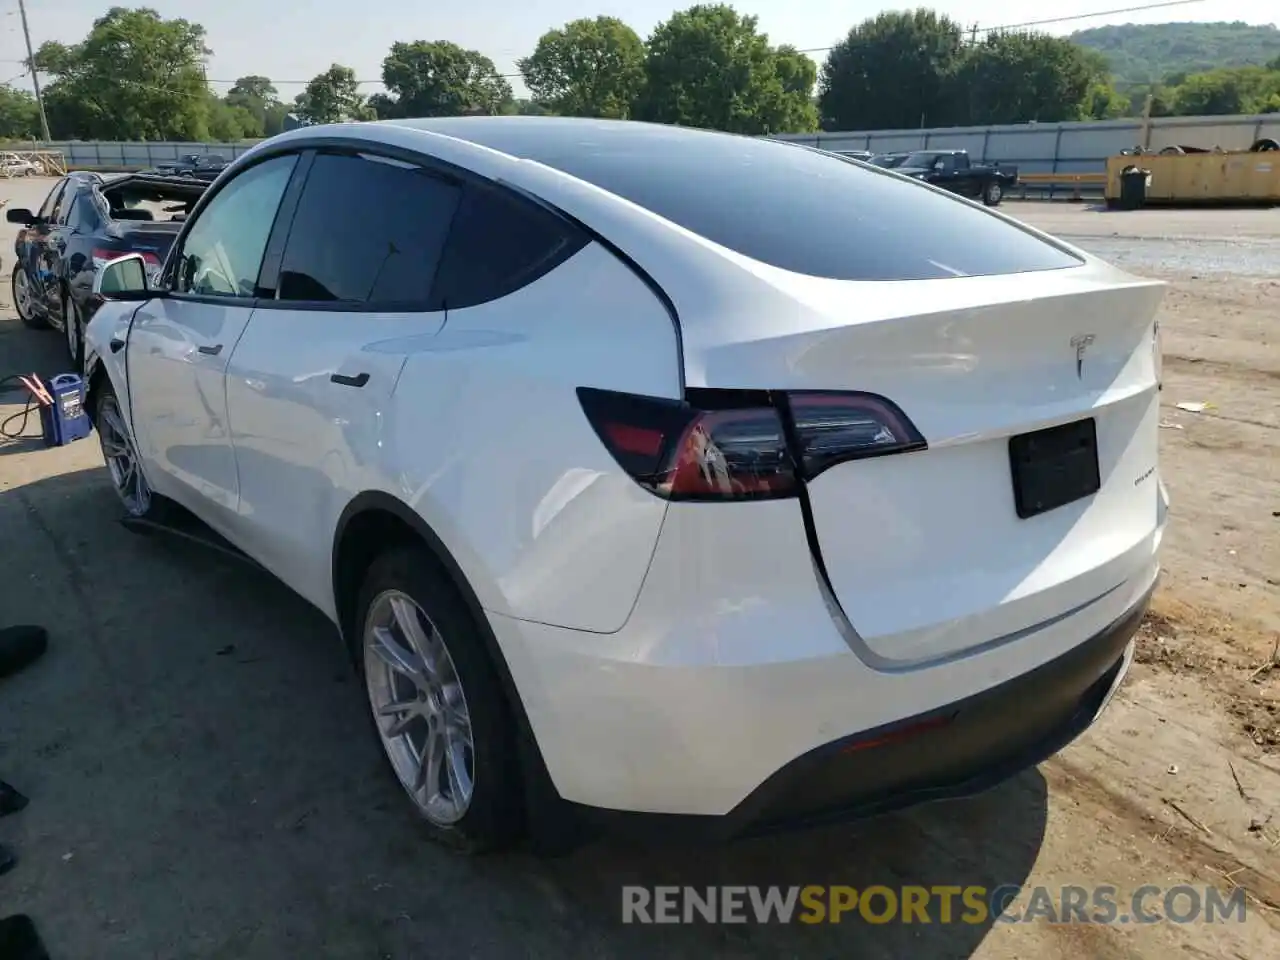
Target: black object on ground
1133	188
11	801
20	647
19	939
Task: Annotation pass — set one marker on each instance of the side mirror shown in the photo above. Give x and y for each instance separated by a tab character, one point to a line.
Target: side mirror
20	215
124	278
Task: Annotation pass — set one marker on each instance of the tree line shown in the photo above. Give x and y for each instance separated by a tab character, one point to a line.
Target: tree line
139	76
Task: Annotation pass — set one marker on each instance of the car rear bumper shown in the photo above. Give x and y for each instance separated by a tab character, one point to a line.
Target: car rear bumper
730	688
961	749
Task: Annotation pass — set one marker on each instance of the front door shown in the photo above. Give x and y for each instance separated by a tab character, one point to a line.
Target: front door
36	241
310	383
180	343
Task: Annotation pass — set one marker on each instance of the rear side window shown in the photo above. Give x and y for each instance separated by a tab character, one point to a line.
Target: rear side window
367	231
500	243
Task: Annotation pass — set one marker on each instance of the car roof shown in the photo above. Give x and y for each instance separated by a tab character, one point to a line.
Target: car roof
569	143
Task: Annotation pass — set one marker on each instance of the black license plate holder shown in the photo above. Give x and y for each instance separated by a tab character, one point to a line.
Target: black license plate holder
1054	467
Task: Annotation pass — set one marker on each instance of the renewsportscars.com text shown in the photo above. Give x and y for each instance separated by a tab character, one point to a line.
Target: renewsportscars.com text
936	904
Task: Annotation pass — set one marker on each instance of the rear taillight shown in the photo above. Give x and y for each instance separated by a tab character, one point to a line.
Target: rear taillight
102	256
743	445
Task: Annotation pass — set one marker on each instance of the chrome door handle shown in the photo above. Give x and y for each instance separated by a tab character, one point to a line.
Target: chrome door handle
211	351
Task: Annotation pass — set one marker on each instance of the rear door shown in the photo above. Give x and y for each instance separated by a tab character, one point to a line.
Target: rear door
310	383
179	344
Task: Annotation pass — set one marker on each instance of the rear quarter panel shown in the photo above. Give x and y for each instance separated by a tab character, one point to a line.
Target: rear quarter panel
494	451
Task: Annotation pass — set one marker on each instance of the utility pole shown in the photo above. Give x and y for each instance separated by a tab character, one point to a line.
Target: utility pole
35	77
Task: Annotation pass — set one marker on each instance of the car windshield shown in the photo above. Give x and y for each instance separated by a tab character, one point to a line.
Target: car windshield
920	158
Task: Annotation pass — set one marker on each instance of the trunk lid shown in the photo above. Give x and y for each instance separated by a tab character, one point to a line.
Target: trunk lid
151	238
926	552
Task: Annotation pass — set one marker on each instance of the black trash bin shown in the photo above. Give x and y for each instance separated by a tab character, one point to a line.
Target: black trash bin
1133	188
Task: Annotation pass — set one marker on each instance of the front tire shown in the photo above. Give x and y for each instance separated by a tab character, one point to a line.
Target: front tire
73	327
121	456
437	705
992	194
24	299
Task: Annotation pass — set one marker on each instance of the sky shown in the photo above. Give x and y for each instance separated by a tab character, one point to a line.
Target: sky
293	40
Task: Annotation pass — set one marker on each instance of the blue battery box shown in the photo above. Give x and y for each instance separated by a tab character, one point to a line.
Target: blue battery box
65	419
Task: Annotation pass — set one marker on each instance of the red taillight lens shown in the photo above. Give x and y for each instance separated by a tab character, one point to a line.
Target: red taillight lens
102	255
735	445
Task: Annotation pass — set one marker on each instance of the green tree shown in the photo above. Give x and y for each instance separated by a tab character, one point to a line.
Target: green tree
587	68
1019	77
1104	102
136	76
19	116
332	97
440	79
893	71
708	67
791	107
1221	92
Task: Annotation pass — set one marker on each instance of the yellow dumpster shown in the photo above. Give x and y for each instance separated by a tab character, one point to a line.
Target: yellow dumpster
1209	177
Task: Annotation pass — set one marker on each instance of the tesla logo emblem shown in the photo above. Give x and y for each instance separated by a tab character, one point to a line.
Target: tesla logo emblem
1081	343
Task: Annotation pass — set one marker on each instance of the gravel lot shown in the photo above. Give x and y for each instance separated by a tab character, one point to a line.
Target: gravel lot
203	784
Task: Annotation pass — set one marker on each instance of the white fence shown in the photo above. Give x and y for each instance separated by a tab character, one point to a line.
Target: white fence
1058	147
1034	147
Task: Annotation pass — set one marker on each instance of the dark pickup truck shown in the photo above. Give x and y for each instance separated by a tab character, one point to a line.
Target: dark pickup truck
198	165
951	170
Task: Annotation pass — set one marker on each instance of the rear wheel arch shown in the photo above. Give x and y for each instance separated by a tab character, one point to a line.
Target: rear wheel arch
375	522
96	377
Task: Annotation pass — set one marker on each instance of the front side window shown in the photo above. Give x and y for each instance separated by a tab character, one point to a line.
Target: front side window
368	230
63	207
223	251
51	202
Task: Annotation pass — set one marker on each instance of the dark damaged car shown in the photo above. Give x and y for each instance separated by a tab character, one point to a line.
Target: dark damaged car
85	221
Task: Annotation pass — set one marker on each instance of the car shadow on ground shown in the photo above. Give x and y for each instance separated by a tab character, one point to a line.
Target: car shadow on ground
205	784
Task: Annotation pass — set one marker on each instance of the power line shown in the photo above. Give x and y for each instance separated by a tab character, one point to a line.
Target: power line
1052	20
997	29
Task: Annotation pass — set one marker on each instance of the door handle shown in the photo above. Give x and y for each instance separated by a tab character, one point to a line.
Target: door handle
359	380
211	351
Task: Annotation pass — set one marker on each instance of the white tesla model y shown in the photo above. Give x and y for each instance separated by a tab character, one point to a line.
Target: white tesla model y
655	478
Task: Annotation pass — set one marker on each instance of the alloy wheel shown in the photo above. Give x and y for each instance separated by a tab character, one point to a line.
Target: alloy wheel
122	459
22	294
419	707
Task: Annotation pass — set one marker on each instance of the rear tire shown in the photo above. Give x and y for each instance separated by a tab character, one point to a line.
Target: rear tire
24	299
73	328
470	798
124	466
992	194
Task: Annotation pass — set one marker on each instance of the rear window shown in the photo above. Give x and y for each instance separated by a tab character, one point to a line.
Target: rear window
785	205
816	214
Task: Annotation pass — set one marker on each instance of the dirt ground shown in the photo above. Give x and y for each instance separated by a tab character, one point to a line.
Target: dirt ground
203	784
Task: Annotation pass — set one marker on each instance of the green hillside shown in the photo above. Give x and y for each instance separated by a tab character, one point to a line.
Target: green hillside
1144	53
